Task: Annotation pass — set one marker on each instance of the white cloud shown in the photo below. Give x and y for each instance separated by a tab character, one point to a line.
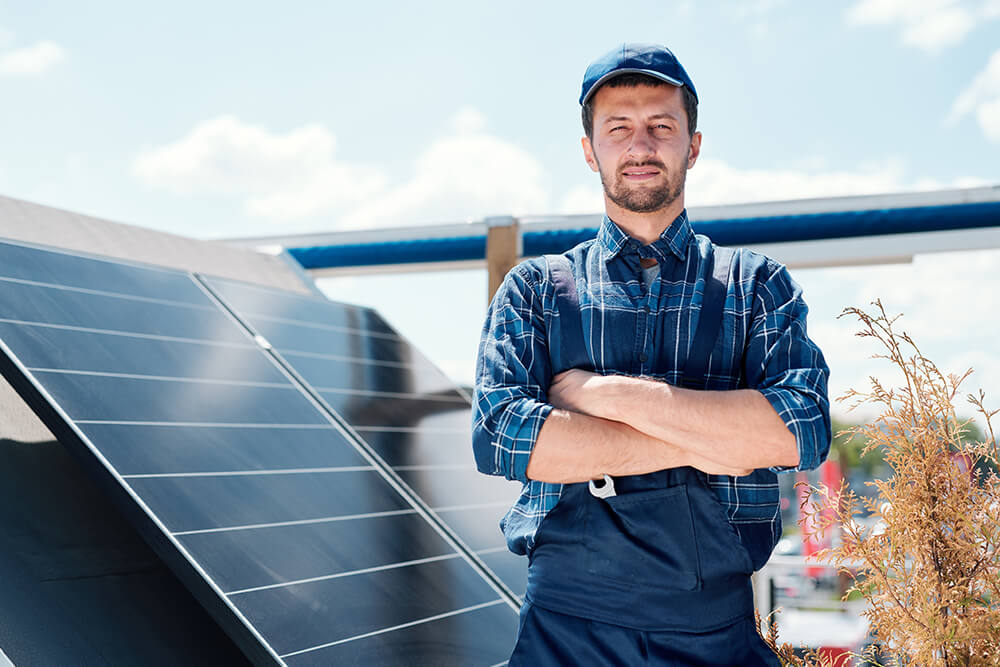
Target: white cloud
282	176
467	174
985	85
930	25
988	115
982	97
31	60
945	27
714	182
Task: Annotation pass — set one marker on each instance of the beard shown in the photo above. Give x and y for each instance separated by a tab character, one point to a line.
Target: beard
642	199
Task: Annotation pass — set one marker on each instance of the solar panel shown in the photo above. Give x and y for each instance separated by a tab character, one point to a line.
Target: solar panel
301	545
414	419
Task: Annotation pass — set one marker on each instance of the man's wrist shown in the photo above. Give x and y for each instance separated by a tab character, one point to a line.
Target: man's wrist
614	397
623	396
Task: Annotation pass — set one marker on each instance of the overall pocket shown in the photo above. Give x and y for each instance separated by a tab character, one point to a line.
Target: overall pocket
720	548
646	537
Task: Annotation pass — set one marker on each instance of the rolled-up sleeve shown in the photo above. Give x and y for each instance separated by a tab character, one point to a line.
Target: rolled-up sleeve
512	379
787	367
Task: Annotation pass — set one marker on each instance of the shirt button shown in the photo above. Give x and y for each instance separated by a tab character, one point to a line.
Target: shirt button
642	358
645	309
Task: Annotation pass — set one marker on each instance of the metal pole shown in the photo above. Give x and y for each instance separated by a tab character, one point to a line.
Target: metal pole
503	248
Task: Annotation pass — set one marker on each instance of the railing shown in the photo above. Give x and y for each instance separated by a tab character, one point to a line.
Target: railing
834	231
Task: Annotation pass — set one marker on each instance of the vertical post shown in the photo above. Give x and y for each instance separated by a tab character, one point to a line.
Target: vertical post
763	593
503	247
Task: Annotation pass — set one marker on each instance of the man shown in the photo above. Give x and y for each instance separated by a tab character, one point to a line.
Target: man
645	387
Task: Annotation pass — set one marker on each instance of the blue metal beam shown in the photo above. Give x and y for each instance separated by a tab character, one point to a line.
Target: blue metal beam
725	231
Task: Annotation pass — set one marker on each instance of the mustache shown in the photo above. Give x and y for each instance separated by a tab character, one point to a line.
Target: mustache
644	163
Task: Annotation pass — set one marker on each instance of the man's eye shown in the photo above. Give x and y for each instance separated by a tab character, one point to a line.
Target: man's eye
617	128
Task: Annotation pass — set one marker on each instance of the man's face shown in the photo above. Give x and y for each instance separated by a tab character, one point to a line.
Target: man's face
641	146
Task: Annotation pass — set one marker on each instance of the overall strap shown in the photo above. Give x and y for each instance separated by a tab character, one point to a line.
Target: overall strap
709	317
570	350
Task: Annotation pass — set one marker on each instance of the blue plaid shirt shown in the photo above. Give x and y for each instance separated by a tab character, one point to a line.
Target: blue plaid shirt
632	330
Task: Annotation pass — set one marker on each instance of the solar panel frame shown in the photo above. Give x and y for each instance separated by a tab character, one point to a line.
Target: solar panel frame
163	540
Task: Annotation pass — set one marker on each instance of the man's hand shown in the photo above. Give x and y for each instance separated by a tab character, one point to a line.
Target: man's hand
713	468
590	394
579	391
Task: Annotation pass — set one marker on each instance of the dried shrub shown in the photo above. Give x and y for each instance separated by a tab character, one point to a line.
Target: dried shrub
786	652
929	564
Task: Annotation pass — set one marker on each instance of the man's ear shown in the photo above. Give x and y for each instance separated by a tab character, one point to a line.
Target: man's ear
694	150
588	153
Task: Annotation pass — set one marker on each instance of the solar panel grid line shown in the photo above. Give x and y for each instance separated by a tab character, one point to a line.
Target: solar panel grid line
389	394
129	334
505	593
309	299
338	575
140	422
233	473
387	471
409	429
463	393
491	550
136	449
472	506
47	408
439	466
29	303
83	254
107	293
390	335
87	400
313	299
340	357
302	348
298	522
325	327
394	628
164	378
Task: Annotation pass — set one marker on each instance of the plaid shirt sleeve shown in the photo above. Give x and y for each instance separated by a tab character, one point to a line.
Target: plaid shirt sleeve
513	375
787	367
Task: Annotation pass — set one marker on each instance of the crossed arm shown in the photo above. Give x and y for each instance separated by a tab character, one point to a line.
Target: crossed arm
622	425
528	425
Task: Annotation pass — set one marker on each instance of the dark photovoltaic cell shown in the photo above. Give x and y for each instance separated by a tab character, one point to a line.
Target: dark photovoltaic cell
413	417
304	547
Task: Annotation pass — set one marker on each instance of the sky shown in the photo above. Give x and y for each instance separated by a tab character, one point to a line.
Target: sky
229	119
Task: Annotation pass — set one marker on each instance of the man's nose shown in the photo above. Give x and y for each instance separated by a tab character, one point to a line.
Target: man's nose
642	144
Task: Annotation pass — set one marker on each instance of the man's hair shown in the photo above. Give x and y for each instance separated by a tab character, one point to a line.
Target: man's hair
631	81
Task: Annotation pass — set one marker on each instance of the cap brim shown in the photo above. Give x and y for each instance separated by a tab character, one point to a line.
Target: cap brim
629	70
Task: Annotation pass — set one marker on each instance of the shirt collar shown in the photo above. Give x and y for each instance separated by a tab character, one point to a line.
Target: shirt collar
673	240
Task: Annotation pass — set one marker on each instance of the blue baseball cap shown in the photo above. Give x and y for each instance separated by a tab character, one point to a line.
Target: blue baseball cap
649	59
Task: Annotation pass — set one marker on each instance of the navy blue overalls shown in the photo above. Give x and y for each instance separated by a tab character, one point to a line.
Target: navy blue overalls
653	575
